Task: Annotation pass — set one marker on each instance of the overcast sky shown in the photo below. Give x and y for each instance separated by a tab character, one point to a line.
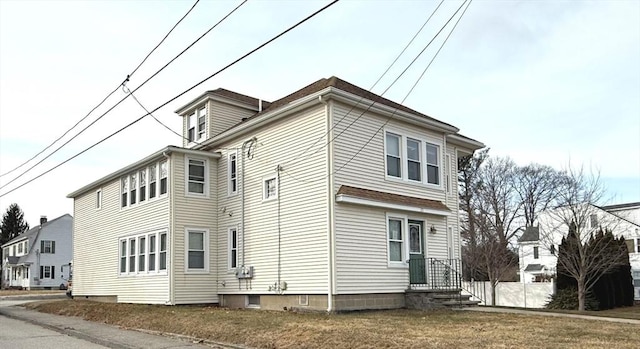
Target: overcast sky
552	82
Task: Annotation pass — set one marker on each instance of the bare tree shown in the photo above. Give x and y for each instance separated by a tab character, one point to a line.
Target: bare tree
536	186
578	219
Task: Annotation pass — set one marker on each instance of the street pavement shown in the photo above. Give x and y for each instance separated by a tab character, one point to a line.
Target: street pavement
23	328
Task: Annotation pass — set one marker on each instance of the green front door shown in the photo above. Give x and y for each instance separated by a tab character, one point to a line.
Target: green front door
417	263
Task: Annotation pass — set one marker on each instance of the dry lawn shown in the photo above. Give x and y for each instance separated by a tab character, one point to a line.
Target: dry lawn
382	329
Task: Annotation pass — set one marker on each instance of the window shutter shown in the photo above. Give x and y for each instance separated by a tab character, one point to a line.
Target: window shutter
41	272
41	246
53	272
53	247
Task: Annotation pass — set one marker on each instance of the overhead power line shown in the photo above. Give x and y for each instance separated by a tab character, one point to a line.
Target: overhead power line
179	95
370	89
124	98
468	3
105	98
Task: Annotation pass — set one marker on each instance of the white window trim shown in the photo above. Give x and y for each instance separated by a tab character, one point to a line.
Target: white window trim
229	247
99	194
424	139
273	176
206	250
405	241
230	191
136	237
147	198
205	192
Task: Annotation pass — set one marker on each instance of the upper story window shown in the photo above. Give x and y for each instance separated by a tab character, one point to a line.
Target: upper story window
197	125
593	220
20	248
433	167
412	159
47	246
394	165
26	246
536	253
232	173
270	188
142	185
196	176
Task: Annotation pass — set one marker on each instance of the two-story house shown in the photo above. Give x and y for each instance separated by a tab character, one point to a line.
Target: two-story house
538	245
40	257
322	199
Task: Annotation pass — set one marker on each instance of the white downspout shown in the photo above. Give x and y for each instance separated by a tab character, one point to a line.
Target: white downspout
330	206
249	142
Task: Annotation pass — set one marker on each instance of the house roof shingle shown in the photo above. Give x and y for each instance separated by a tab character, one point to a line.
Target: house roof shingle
392	198
530	234
240	97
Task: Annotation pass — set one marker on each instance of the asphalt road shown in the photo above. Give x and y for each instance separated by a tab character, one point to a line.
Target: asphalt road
17	334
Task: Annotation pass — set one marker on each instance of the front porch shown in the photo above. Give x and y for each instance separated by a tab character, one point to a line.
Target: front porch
437	283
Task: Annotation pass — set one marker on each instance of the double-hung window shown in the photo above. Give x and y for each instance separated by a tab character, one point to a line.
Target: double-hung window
202	122
20	248
98	199
152	252
414	165
143	185
152	181
197	249
233	173
132	255
142	244
133	185
536	252
394	163
163	177
46	246
163	252
433	167
123	256
191	127
143	253
233	248
196	182
125	191
396	240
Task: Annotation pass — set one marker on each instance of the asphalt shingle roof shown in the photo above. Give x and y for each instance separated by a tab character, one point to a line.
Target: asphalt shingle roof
530	234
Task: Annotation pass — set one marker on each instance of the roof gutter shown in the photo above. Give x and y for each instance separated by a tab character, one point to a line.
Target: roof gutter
465	142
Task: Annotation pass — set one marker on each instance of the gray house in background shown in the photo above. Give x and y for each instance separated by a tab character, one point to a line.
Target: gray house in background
39	258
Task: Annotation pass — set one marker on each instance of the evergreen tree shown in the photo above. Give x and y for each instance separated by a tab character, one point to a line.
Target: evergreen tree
13	224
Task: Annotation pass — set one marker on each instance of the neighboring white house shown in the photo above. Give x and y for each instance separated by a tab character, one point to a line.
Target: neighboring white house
39	258
321	200
539	245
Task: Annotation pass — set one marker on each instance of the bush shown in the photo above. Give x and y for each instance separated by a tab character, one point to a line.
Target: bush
567	299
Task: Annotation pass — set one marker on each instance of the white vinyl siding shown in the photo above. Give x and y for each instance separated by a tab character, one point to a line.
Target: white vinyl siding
98	235
303	209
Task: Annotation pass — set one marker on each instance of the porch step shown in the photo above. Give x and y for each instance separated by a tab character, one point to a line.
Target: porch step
437	299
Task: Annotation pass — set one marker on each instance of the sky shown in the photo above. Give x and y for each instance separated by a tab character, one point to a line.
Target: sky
551	82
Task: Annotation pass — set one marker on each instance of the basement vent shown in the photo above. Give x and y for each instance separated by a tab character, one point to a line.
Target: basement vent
303	299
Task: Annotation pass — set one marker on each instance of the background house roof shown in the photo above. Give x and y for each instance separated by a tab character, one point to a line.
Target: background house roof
255	102
530	234
32	233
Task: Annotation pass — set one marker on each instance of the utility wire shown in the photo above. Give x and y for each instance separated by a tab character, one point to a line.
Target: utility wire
179	95
389	87
403	100
124	98
370	89
103	100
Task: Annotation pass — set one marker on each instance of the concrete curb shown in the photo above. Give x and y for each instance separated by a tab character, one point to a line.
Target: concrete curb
544	313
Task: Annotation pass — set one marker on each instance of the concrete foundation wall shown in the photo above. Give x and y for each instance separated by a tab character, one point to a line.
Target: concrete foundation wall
319	302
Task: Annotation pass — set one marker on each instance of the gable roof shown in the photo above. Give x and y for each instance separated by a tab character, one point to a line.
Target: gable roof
621	206
530	234
32	233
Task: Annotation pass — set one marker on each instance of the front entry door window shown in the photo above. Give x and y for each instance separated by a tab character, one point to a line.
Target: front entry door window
417	267
415	238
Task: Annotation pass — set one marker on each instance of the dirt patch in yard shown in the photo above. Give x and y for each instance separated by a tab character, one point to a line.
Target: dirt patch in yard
381	329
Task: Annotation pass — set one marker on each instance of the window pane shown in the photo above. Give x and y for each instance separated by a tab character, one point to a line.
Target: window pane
163	186
196	259
163	261
432	154
414	170
196	170
152	243
393	145
415	239
393	166
433	174
163	242
152	261
413	150
196	241
196	187
395	229
395	251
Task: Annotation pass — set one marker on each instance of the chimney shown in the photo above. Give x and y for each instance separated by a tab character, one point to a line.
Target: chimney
43	220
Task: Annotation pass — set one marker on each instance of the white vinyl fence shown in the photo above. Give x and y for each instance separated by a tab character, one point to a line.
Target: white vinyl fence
513	294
